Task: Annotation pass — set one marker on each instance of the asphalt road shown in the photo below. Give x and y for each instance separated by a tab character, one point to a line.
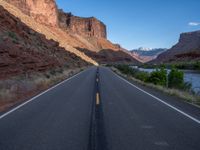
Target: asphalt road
72	116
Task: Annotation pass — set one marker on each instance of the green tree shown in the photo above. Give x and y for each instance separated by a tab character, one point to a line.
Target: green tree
176	79
158	77
126	69
141	75
197	65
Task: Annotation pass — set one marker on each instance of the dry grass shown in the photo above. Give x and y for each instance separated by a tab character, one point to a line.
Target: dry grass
184	95
22	87
65	40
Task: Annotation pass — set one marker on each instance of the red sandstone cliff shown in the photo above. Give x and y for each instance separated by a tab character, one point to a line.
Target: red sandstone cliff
86	27
23	50
43	11
77	32
187	48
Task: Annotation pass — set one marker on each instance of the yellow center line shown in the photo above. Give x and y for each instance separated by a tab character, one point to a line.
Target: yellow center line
97	99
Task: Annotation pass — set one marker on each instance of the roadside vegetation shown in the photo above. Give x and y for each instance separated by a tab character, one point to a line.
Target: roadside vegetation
22	87
171	83
179	65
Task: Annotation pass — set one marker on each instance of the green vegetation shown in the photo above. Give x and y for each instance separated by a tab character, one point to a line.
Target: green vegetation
141	75
13	36
193	65
197	65
172	84
126	69
175	79
158	77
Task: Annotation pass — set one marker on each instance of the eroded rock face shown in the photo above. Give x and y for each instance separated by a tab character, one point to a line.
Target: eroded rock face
43	11
23	50
188	48
90	33
188	41
47	13
87	27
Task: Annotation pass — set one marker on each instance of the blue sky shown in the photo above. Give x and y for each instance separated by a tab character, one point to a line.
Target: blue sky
140	23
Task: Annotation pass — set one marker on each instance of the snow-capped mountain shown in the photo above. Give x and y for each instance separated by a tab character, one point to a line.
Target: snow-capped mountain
147	54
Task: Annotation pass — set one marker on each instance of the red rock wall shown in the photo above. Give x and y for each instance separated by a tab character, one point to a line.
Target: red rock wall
87	27
46	12
187	49
43	11
23	50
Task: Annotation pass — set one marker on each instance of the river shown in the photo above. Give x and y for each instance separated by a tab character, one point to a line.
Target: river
190	76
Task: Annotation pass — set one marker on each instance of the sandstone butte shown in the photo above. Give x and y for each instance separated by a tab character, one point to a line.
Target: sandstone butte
187	49
72	32
24	51
50	31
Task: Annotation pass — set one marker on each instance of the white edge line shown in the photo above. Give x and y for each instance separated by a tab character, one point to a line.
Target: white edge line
162	101
28	101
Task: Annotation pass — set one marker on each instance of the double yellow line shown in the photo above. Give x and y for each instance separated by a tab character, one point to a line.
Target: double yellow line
97	94
97	99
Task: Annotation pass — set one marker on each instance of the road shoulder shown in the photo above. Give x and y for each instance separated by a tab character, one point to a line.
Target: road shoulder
173	100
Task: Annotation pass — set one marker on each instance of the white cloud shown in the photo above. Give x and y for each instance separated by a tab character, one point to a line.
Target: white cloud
194	23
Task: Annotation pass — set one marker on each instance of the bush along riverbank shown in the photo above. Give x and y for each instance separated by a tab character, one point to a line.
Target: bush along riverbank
179	65
171	83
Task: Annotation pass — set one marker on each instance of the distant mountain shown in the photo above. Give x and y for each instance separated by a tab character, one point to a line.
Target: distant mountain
187	49
147	54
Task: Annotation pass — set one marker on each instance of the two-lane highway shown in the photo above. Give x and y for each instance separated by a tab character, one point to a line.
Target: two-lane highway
126	118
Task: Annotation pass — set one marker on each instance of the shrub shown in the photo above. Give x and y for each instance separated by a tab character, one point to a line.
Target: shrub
126	69
141	75
158	77
197	65
12	35
176	79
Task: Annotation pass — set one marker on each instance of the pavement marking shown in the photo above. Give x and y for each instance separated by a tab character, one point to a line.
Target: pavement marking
160	100
97	80
97	99
28	101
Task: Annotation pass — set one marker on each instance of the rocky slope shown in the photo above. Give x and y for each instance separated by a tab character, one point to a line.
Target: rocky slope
23	50
70	31
108	56
187	49
68	41
146	55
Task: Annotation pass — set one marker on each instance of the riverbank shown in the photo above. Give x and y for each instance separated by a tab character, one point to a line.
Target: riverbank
192	65
190	76
183	95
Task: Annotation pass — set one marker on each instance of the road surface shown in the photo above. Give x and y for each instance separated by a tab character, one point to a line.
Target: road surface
97	110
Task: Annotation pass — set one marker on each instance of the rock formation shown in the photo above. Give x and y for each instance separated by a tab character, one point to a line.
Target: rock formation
70	31
43	11
86	27
23	50
188	48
